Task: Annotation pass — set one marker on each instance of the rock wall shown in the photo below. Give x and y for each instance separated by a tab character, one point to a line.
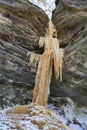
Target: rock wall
70	18
21	24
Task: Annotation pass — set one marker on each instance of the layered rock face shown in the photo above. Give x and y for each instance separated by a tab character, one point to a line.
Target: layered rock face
70	18
21	24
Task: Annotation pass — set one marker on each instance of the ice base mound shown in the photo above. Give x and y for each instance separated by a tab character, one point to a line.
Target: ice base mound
32	117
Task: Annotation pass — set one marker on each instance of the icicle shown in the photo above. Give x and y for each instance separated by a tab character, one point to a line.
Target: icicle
34	57
58	61
52	56
43	79
61	62
48	44
41	42
51	29
55	44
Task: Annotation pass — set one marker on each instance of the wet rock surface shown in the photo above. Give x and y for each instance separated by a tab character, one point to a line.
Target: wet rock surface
21	24
70	18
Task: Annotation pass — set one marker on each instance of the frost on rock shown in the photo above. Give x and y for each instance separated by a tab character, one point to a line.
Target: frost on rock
35	117
31	117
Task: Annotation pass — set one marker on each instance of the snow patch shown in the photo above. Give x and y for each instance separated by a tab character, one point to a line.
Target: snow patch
48	6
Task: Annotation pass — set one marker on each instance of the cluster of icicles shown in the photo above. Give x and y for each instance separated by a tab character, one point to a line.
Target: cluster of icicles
49	62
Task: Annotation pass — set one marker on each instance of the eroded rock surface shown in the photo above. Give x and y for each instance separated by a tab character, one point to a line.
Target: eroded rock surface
21	24
70	18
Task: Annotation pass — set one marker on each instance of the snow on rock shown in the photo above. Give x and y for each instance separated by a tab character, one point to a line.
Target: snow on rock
31	117
48	6
71	114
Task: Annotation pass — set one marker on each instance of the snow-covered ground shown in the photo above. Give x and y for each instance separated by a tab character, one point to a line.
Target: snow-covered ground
48	6
30	117
75	118
39	116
